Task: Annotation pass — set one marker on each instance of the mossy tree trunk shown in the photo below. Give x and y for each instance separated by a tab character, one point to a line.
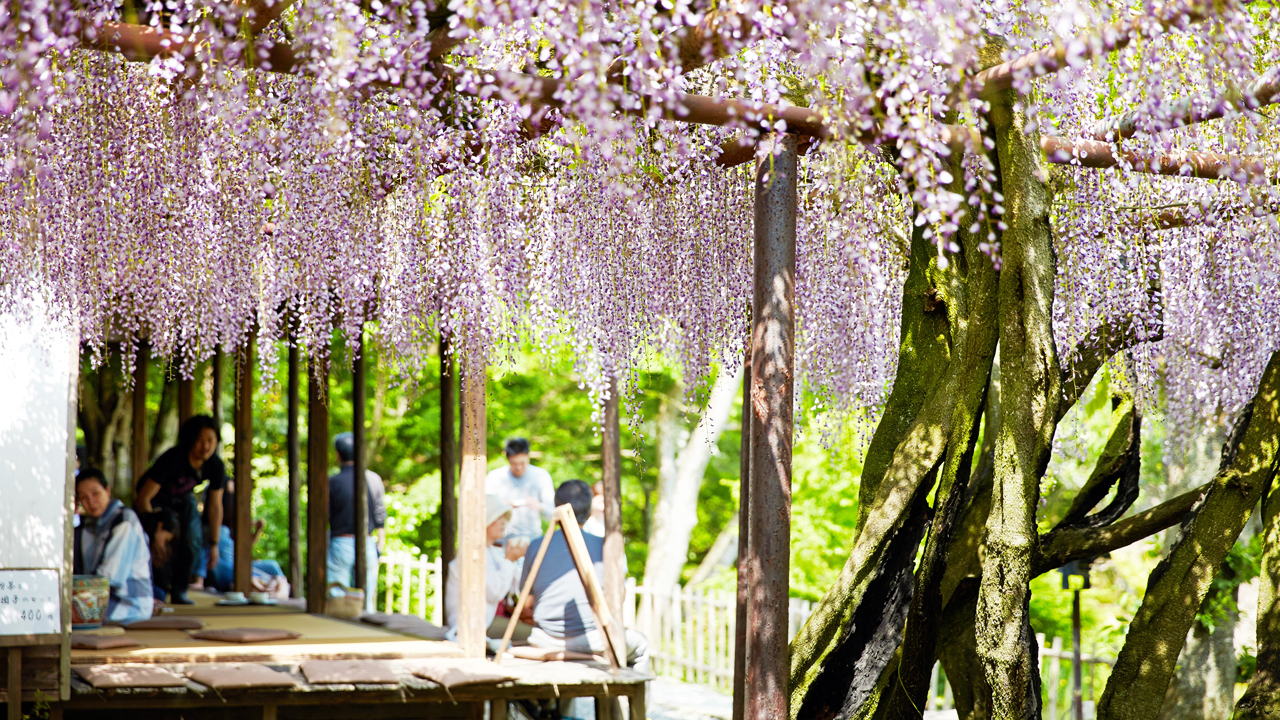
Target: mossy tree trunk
1262	700
1179	584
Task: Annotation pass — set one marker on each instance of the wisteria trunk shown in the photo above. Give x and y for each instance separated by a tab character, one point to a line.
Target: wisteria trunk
1031	380
1262	700
1181	581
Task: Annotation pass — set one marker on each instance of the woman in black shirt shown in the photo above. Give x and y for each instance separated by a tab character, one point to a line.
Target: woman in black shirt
166	490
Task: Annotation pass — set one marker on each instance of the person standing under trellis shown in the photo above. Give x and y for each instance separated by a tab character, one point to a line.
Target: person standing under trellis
166	499
525	487
342	520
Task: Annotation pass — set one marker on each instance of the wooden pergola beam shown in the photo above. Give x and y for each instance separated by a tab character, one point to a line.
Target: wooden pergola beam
1094	154
1261	92
1116	36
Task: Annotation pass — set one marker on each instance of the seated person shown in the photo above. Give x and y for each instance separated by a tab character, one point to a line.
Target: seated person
500	571
267	575
109	541
562	615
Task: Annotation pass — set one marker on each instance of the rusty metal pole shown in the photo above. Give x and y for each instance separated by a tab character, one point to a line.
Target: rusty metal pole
471	509
317	486
361	485
242	469
768	560
295	479
615	555
744	526
448	460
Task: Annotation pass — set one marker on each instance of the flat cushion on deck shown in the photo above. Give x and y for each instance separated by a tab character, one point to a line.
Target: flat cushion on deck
455	672
245	635
174	622
407	624
128	676
325	672
82	641
223	676
548	655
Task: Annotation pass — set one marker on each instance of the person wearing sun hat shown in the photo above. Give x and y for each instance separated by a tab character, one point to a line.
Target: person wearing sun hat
500	571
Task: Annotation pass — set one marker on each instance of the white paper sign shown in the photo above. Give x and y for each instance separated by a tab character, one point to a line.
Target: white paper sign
30	603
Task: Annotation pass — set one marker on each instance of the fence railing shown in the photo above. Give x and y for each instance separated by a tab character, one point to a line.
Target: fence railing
411	586
691	635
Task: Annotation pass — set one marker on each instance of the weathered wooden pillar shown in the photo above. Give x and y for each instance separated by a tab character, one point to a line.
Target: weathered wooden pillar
186	392
615	554
768	560
361	485
215	405
295	478
744	530
471	507
448	460
317	486
243	467
138	450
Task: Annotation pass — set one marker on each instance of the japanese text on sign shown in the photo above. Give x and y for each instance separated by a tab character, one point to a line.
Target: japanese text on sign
29	602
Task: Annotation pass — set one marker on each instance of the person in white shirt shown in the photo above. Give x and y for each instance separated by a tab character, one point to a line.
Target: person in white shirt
595	524
524	487
500	572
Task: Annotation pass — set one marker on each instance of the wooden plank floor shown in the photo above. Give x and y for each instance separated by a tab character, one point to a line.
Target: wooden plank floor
410	697
320	638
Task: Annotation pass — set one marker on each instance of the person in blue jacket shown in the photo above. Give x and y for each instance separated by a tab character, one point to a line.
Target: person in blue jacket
109	541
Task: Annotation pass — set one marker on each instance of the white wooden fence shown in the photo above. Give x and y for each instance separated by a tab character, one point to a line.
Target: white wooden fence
411	586
691	636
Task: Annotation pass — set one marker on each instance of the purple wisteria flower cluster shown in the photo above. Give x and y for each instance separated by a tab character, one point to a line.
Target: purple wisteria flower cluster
197	174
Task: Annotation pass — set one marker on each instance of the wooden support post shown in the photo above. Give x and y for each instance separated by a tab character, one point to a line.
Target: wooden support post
498	709
744	527
243	468
471	507
448	460
768	561
295	479
615	554
317	487
215	404
14	688
361	485
186	393
138	450
637	702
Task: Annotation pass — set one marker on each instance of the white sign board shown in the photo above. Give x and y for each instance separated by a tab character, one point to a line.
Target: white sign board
29	602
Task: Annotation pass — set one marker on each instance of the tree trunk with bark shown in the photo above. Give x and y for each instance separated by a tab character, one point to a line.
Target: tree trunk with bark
1262	700
1179	584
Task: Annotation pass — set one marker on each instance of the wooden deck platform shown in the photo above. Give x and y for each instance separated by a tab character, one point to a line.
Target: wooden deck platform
327	639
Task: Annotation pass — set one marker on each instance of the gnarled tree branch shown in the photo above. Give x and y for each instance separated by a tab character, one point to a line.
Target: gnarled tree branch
1180	582
1118	466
